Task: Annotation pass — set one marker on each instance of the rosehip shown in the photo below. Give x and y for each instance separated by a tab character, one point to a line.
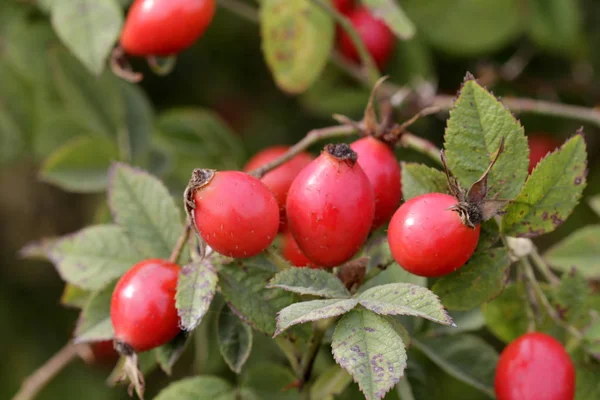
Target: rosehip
377	37
292	253
533	367
343	6
330	207
165	27
427	239
539	146
142	307
379	163
104	352
279	179
234	212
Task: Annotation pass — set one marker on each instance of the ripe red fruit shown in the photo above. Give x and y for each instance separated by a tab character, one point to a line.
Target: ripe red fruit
142	308
539	146
427	239
379	163
330	207
533	367
104	352
292	253
165	27
280	179
234	212
343	6
378	38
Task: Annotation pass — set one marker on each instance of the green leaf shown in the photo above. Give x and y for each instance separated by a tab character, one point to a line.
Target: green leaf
581	250
139	117
594	203
476	126
587	385
555	25
271	381
489	235
306	311
505	315
466	27
94	322
38	249
89	28
297	38
573	297
464	357
198	387
97	102
168	354
234	338
81	165
314	282
592	339
478	281
243	286
551	192
75	297
418	179
143	207
392	14
94	256
367	346
196	288
465	321
55	128
405	299
330	383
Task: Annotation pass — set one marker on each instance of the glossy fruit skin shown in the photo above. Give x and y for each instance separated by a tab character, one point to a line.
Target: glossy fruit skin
344	6
292	253
378	38
330	210
383	170
534	367
539	146
280	179
427	239
142	307
236	214
165	27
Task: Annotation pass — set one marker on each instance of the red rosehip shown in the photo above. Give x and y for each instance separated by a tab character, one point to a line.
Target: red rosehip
427	239
104	352
279	180
165	27
142	308
534	367
379	163
235	213
343	6
539	146
377	37
330	207
292	253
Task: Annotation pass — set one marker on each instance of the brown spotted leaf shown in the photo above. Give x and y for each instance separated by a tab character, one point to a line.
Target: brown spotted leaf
196	288
314	310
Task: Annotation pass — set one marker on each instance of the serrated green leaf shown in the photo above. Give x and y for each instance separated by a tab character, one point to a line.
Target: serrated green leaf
367	346
243	286
297	37
481	279
234	338
89	28
551	192
72	296
270	381
196	288
94	322
332	382
306	311
394	17
580	250
168	354
198	387
139	117
405	299
573	297
465	357
81	165
418	179
143	207
94	256
555	25
309	281
476	126
505	315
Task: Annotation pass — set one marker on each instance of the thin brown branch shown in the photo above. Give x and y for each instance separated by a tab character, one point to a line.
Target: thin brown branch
420	145
183	238
240	8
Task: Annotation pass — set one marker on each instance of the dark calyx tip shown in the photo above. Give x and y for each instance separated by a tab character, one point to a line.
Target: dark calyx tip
342	152
123	348
201	177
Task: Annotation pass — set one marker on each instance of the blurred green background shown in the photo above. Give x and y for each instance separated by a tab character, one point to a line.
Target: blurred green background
51	108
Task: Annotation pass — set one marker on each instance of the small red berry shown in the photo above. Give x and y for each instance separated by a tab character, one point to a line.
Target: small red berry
235	213
165	27
534	367
539	146
343	6
142	308
379	163
280	179
330	207
104	352
377	37
427	239
292	253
